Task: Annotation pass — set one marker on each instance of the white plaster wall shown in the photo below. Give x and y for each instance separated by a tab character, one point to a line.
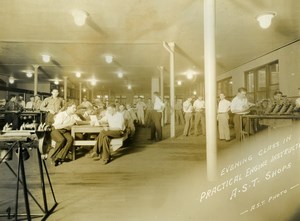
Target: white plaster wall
42	87
289	69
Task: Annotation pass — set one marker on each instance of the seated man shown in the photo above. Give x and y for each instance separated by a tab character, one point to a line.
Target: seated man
61	132
129	121
115	129
30	103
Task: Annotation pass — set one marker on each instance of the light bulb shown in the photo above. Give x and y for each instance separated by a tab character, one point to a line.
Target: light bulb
109	59
46	58
78	74
11	80
265	20
29	74
79	17
120	74
189	75
93	82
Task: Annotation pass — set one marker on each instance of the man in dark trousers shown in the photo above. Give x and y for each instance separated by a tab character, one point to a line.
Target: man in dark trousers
156	128
61	132
115	129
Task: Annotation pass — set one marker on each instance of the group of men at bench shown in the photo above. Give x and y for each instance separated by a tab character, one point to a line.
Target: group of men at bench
64	120
63	117
117	122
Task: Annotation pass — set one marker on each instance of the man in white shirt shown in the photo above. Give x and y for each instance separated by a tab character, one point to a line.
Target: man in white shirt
187	108
30	103
223	117
158	108
199	107
116	127
239	106
61	132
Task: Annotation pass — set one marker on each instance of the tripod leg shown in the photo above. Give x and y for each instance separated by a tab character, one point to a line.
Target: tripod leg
42	181
21	159
18	180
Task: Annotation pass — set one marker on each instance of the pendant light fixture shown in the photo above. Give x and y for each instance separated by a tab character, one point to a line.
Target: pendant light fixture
265	19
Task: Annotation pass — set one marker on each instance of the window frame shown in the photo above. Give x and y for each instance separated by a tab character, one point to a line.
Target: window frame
262	87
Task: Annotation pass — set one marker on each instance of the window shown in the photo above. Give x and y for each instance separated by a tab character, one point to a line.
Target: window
225	86
262	82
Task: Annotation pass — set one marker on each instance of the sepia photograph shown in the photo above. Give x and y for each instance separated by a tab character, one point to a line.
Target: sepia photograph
153	110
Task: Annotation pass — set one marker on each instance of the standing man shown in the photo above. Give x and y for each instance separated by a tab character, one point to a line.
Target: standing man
239	106
14	108
61	133
199	107
178	112
156	116
51	105
148	112
166	111
223	117
116	127
187	107
140	110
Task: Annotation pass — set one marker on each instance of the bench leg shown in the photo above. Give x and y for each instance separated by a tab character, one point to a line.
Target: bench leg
73	152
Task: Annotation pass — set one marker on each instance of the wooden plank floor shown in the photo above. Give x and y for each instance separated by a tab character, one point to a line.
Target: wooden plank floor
137	185
145	181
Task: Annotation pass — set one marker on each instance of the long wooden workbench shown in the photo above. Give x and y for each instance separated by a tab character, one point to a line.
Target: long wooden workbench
115	143
249	117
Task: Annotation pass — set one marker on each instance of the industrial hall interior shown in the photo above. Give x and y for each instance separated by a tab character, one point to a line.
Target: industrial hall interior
150	110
